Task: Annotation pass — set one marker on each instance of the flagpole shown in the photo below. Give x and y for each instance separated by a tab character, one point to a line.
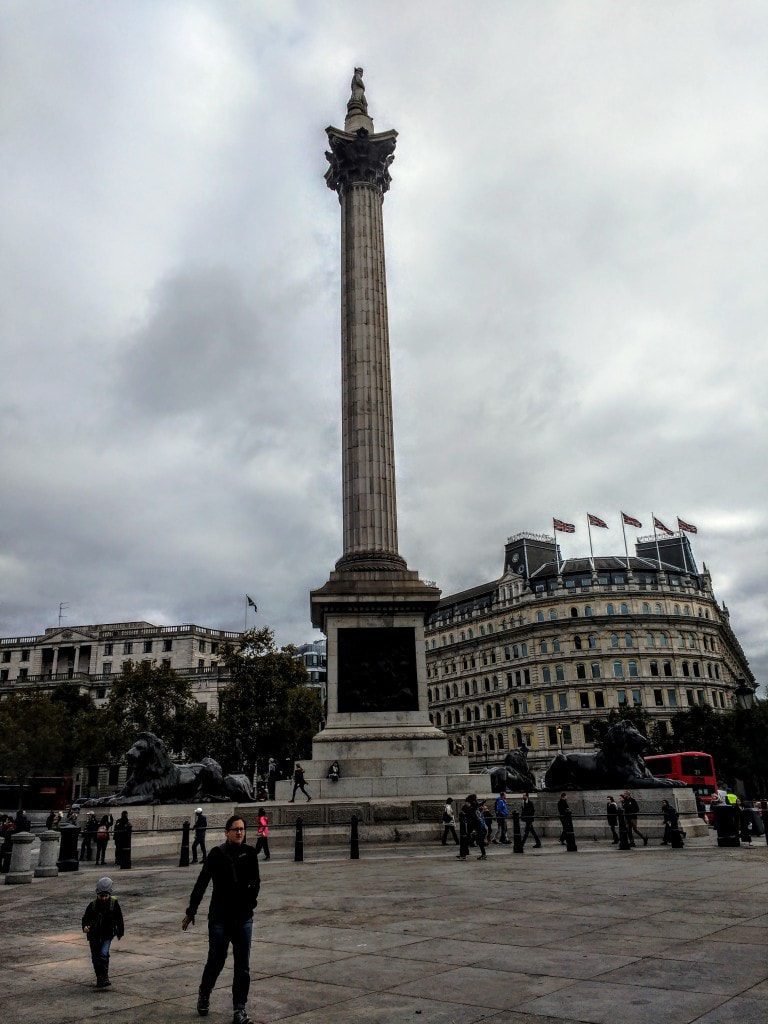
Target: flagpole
624	531
656	540
557	556
245	620
591	552
682	542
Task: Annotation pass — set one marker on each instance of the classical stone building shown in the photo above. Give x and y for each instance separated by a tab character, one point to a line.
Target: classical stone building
94	655
531	657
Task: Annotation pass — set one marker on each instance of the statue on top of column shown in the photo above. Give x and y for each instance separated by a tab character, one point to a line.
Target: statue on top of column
357	101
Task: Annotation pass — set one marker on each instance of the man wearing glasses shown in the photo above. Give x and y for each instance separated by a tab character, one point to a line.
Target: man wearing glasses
234	868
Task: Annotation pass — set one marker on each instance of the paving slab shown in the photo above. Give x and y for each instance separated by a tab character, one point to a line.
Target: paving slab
604	1003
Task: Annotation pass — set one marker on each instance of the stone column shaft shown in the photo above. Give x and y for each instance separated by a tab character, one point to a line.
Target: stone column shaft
20	869
368	456
49	852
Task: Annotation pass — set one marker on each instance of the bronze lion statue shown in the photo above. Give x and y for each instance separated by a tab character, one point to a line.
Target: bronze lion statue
152	776
618	762
514	776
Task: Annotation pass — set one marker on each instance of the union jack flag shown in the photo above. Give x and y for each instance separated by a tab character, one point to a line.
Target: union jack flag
563	527
596	521
658	525
688	527
631	521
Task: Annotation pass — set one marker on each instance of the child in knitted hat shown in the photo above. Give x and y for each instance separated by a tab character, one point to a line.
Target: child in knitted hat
102	921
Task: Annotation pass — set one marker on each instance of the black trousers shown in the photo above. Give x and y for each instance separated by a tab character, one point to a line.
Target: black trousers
101	850
219	937
530	831
449	829
198	844
299	785
612	827
262	843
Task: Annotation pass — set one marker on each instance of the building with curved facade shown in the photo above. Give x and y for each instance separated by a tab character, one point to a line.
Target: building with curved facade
532	657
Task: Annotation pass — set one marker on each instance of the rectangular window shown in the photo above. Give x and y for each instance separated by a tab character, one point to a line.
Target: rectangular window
618	670
672	698
689	698
200	664
25	655
701	697
214	647
595	670
567	737
654	668
560	673
524	650
147	646
581	671
546	675
549	702
562	700
599	699
552	735
515	651
637	698
622	696
658	698
584	699
167	645
23	673
108	648
166	662
106	668
3	675
507	653
127	647
201	646
527	677
6	656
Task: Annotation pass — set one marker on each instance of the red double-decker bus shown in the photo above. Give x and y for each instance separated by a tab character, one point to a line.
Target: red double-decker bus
694	767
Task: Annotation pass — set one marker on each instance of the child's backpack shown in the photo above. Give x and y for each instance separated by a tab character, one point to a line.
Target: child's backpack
102	832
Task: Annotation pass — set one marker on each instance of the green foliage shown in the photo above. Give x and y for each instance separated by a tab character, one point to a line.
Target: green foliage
635	714
267	709
151	698
32	736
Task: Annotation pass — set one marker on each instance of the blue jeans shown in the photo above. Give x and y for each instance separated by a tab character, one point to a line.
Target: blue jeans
219	937
100	955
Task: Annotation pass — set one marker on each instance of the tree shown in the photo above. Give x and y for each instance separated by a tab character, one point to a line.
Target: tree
151	698
267	709
635	714
32	729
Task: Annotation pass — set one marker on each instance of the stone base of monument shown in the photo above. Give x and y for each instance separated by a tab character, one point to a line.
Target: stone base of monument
588	810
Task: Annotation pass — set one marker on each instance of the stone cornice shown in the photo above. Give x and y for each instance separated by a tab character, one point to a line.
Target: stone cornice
359	157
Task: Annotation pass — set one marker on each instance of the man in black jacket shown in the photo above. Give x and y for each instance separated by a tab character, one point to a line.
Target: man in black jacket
563	810
234	869
631	810
527	815
200	826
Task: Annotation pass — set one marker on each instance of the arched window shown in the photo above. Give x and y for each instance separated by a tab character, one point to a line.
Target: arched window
595	667
488	711
544	647
577	642
592	642
497	709
466	688
495	682
555	645
696	670
456	690
610	610
491	742
614	640
581	671
665	640
560	673
658	608
624	609
618	670
519	738
470	634
687	609
633	668
650	640
438	719
482	631
479	743
477	714
448	717
574	613
463	635
431	718
667	668
539	616
552	613
429	695
487	684
676	609
588	610
709	669
646	608
450	638
474	686
686	669
500	741
515	706
628	641
470	745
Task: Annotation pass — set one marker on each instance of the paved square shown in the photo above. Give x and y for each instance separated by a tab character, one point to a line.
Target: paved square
412	935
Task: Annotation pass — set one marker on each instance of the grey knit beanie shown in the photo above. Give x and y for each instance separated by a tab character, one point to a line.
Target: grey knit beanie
104	885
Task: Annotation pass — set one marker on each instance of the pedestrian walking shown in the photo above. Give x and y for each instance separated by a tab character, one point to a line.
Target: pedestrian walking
475	824
233	868
298	783
631	810
53	819
89	837
449	822
200	826
612	817
563	810
102	922
102	837
7	828
271	777
671	821
262	843
501	808
22	822
528	815
123	830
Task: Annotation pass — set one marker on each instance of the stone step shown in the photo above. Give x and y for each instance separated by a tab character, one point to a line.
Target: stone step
376	747
372	767
389	786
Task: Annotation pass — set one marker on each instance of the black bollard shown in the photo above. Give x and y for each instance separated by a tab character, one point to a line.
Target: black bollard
68	859
764	812
624	843
124	854
727	825
675	835
517	838
463	837
298	845
570	835
184	855
354	842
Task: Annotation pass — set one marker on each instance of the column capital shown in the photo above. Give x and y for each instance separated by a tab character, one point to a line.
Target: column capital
359	157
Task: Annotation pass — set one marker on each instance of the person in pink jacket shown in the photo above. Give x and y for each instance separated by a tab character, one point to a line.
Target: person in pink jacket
262	843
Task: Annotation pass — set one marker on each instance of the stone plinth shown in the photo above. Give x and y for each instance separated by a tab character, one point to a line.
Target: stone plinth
588	810
49	852
20	870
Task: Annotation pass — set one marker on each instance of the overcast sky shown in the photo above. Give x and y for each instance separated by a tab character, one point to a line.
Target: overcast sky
576	255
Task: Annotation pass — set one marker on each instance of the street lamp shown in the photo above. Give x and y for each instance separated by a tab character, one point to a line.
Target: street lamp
745	696
560	737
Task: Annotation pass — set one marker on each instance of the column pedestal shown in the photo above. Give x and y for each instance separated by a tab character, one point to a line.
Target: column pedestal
20	870
49	852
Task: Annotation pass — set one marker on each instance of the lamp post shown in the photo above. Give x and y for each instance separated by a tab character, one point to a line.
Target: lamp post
560	737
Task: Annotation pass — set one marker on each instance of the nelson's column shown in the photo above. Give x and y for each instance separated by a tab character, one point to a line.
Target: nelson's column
373	607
